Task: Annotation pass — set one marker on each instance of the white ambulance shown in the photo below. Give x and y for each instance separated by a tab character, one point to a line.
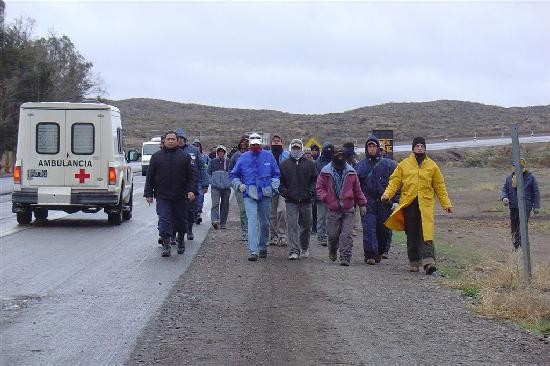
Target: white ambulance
70	157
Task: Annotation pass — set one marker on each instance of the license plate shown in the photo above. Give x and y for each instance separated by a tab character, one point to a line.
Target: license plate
37	173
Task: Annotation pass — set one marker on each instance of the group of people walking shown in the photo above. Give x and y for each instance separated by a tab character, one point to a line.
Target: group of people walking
284	195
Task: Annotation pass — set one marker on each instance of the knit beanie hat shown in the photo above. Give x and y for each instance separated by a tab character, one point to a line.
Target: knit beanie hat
418	140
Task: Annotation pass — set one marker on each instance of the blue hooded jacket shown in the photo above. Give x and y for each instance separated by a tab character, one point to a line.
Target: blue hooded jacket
374	173
259	172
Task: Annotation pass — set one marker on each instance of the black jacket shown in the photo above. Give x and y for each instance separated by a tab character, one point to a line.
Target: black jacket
298	180
170	175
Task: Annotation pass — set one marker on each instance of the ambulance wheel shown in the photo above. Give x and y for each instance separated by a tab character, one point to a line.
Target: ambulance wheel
41	213
24	218
115	218
127	214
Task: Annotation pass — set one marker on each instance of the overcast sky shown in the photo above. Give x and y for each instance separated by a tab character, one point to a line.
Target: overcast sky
312	57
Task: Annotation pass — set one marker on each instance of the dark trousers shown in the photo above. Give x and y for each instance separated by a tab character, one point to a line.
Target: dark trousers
419	251
172	216
514	225
376	236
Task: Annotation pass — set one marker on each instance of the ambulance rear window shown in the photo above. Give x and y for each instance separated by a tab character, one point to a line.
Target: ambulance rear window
47	138
82	139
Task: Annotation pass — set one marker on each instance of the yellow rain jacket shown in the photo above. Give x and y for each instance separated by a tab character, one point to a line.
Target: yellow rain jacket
424	182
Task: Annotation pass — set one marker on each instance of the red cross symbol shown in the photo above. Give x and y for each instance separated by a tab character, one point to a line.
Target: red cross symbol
82	175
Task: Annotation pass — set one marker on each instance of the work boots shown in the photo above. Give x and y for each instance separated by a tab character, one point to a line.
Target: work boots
165	246
181	244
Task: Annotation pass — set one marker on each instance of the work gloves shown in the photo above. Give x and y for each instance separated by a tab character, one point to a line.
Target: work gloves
394	206
242	188
506	201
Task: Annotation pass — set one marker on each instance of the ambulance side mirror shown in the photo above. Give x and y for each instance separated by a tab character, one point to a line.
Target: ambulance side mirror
132	155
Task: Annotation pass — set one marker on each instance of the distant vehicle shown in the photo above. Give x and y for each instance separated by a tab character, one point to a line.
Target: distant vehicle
70	158
148	148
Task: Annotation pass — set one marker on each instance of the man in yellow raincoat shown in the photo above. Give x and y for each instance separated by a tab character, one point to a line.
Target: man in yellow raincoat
420	181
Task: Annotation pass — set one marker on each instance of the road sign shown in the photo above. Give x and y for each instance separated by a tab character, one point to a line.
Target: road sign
312	141
386	141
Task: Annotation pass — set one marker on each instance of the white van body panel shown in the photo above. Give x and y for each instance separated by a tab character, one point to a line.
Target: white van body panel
65	152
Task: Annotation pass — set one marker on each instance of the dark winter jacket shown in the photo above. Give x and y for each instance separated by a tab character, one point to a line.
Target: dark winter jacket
170	175
198	162
298	180
532	193
218	169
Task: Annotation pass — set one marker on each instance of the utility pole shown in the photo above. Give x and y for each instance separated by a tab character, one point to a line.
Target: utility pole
524	234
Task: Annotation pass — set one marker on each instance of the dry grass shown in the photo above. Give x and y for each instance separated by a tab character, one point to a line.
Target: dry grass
501	293
486	187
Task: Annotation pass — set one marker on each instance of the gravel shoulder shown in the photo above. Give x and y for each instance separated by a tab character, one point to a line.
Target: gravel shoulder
226	310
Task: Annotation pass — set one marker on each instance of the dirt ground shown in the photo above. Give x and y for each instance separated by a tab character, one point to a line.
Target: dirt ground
481	221
228	311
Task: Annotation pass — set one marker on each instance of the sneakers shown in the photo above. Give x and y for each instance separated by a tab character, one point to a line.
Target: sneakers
282	242
430	268
263	254
172	241
181	246
253	257
190	235
293	257
370	261
222	227
274	241
304	254
385	255
332	256
198	220
344	262
216	225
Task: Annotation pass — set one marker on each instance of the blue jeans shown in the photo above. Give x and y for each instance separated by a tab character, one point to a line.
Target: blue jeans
257	213
220	205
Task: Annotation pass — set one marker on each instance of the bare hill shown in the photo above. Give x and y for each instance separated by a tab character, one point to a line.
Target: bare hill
144	118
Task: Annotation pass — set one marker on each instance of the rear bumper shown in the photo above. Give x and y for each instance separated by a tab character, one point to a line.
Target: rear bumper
21	198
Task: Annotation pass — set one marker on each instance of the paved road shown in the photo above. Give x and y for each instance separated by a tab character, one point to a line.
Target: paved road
76	290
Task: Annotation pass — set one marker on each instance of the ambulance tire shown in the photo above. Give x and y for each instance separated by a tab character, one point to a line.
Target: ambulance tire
115	218
127	215
25	217
41	213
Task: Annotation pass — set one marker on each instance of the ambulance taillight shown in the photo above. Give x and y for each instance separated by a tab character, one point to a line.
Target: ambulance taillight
17	175
112	175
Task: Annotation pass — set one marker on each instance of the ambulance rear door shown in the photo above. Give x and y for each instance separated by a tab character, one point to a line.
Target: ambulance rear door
83	141
44	150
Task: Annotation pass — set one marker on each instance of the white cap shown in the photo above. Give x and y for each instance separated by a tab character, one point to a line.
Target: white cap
255	139
296	142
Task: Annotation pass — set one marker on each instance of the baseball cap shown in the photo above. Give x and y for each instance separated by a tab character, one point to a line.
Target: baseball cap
255	139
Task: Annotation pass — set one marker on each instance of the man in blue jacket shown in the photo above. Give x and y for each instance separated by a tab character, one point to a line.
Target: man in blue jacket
374	173
256	174
172	181
509	197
